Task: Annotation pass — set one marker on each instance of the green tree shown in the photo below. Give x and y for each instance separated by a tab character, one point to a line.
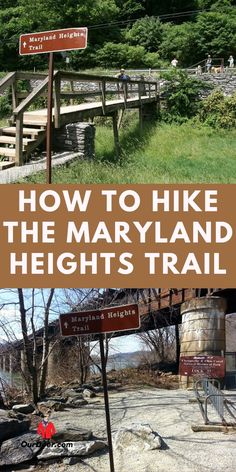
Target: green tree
179	41
215	34
130	9
146	32
168	6
117	55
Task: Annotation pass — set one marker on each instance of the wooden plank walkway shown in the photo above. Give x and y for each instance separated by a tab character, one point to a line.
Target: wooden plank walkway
27	129
72	113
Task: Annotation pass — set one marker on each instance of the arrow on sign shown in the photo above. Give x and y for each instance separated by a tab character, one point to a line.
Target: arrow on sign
66	325
24	44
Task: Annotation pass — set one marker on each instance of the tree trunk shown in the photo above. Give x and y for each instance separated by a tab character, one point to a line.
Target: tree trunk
27	348
46	342
177	341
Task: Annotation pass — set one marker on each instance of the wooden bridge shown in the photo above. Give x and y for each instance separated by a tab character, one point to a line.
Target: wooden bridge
88	95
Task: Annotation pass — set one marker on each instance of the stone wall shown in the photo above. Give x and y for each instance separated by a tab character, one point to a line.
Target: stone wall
226	81
76	137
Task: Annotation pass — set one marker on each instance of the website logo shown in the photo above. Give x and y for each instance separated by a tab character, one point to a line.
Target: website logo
46	429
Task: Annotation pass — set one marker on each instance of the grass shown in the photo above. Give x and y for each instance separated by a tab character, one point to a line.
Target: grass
163	154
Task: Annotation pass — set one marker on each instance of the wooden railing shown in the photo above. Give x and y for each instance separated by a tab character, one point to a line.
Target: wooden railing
103	86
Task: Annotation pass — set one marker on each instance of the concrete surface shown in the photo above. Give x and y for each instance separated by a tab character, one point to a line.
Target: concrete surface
15	174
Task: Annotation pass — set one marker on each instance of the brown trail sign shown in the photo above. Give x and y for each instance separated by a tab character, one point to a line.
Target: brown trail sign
52	41
208	366
104	320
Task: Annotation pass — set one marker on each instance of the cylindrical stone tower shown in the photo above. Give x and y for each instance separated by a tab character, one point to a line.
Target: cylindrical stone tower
203	329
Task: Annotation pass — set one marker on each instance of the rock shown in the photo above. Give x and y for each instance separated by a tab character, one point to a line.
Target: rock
98	389
114	386
10	427
51	405
16	451
72	434
78	389
54	399
137	437
51	387
26	409
89	386
88	393
71	460
71	449
70	392
76	402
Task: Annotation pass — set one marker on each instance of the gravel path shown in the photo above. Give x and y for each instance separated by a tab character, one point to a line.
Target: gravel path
170	414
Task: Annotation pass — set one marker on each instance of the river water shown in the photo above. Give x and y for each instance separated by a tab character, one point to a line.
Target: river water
5	378
116	363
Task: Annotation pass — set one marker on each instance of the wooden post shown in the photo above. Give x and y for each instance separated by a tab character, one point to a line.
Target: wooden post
125	85
72	90
156	93
49	119
103	96
140	118
121	114
140	93
57	100
19	139
116	135
14	95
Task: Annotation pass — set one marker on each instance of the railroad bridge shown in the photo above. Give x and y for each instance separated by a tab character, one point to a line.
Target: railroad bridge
77	98
158	308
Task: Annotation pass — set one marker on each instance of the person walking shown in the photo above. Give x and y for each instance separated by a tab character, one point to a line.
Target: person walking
209	63
174	62
124	78
231	62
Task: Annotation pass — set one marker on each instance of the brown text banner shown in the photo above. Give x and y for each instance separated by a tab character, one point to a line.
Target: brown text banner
117	235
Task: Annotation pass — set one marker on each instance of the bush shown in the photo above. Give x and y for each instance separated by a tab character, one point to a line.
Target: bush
5	107
219	111
181	94
152	60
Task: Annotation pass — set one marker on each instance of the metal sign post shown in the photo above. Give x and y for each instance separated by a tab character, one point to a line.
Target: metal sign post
49	119
106	400
103	320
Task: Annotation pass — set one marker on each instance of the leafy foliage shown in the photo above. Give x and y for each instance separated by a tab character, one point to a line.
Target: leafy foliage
219	111
146	32
120	54
181	93
130	24
5	107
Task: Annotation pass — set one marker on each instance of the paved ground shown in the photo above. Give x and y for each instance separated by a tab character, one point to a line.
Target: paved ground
170	414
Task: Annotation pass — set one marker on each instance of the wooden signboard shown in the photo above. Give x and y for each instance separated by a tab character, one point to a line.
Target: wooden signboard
53	41
105	320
